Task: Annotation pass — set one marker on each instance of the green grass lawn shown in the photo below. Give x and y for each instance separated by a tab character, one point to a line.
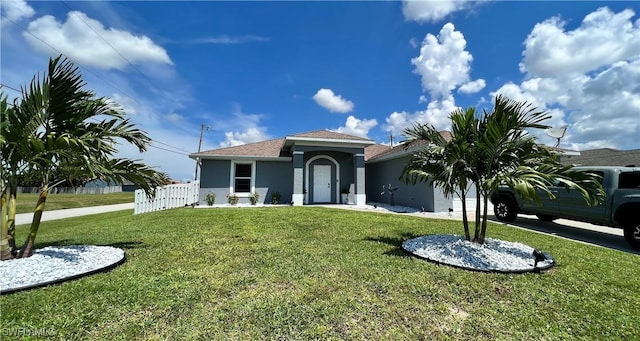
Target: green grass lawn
26	202
318	273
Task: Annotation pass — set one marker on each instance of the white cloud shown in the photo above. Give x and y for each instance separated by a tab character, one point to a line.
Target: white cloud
443	63
79	42
603	38
174	118
357	127
472	87
596	92
332	102
436	114
432	10
16	10
248	136
230	40
241	128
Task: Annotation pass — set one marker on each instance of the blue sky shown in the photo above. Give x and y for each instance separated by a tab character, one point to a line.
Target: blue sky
253	71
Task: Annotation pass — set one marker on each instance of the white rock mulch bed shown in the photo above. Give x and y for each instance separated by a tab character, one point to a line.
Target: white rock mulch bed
54	264
493	256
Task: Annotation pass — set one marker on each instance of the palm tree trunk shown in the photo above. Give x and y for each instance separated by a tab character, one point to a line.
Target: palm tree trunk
485	201
477	230
5	252
8	243
27	248
11	229
465	220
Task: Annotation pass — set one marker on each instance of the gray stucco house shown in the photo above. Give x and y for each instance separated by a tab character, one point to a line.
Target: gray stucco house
313	168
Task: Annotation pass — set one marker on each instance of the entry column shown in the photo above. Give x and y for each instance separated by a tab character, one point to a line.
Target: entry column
297	198
360	196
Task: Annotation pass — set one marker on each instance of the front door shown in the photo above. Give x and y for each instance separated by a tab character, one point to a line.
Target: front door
321	183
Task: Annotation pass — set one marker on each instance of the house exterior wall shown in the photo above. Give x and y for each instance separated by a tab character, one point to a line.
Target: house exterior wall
420	195
214	178
271	177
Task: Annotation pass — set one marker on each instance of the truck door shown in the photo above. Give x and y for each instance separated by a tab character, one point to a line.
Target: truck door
574	206
547	205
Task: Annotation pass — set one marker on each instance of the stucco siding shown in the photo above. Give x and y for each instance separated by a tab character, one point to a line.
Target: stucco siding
272	177
421	195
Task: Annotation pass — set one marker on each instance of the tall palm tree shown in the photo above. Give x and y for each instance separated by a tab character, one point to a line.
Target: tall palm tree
492	150
57	122
446	164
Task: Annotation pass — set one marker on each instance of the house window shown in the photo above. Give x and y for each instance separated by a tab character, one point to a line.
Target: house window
242	178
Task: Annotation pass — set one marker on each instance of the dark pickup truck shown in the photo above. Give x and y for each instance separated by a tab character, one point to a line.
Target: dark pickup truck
621	207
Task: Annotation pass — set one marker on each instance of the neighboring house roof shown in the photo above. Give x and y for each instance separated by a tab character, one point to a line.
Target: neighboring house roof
604	157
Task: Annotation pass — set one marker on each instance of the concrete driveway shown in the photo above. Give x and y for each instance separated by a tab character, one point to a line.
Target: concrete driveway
25	218
573	230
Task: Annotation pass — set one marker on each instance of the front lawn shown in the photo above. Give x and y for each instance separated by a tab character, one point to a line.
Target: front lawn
26	202
317	273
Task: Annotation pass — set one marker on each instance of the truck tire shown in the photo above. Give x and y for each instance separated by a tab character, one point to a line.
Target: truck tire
546	217
632	234
505	209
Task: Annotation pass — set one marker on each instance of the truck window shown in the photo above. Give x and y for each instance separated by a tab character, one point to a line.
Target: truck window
629	180
600	175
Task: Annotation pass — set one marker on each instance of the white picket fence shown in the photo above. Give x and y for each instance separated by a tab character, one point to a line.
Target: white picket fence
167	197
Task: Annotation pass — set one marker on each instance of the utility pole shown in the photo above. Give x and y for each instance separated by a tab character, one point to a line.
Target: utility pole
391	140
202	129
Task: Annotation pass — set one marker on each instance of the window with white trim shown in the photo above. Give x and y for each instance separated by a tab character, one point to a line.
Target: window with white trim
242	177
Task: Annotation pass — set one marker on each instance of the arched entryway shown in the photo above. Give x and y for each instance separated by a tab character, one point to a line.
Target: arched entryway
322	180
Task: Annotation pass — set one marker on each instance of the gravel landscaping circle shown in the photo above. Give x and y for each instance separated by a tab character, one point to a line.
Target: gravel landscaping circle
54	264
493	256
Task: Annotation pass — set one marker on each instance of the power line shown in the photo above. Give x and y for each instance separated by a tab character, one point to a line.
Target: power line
168	150
10	87
82	66
103	39
144	77
97	76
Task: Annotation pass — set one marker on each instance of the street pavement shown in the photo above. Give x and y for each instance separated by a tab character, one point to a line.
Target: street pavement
26	218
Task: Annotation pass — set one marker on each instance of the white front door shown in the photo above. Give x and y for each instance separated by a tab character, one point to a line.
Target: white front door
321	183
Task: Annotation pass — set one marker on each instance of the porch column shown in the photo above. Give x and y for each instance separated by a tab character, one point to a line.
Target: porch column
361	196
297	198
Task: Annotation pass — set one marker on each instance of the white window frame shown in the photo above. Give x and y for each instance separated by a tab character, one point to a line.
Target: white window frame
232	178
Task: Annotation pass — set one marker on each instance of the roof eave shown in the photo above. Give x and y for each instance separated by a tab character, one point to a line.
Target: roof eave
290	140
239	157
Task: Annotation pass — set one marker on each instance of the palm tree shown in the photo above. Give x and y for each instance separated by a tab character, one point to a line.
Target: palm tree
493	150
444	163
57	123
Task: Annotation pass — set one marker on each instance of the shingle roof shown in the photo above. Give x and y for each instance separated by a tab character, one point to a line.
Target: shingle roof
375	150
274	148
270	148
326	134
399	149
604	157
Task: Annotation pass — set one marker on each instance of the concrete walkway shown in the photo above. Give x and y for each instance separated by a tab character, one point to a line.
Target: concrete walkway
26	218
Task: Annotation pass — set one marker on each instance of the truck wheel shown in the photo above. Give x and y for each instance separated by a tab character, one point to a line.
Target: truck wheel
505	210
545	217
632	234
